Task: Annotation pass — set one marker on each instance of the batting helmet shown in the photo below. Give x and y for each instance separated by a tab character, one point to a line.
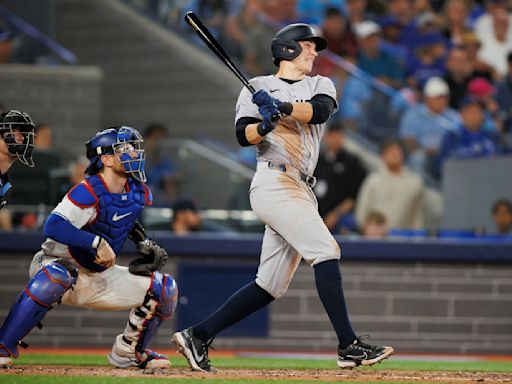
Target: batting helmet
285	44
125	143
12	124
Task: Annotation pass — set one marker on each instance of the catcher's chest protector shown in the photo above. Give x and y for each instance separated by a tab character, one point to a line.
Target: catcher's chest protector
116	215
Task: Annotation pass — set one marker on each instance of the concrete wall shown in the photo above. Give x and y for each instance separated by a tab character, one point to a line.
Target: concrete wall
69	99
412	306
470	189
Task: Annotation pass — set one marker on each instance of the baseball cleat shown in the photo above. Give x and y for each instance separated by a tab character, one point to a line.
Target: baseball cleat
124	355
194	350
360	353
5	362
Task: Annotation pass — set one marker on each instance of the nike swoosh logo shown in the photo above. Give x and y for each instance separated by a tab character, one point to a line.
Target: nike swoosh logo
194	352
117	218
363	356
274	90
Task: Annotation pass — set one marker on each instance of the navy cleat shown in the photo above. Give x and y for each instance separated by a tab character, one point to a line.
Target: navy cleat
360	353
194	350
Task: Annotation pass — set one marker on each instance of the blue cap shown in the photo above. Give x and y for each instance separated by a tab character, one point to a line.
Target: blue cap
388	21
469	100
430	39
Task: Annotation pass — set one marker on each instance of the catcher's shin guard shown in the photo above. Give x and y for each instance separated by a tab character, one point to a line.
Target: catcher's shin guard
159	304
45	288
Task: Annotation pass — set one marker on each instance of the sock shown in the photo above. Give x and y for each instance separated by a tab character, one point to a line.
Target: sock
241	304
330	291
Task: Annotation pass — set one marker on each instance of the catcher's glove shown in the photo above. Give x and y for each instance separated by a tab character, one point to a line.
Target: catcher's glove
153	258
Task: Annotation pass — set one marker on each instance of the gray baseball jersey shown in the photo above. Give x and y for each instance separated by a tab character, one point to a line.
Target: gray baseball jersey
284	202
291	143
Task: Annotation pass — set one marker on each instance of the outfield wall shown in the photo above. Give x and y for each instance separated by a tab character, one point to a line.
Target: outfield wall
403	294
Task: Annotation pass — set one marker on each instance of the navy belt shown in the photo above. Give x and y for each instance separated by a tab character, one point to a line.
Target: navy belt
308	179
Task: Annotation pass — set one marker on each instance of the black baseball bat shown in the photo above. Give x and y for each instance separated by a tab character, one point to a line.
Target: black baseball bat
210	41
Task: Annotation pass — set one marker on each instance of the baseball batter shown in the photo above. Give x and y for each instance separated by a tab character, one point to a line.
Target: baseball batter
286	119
76	265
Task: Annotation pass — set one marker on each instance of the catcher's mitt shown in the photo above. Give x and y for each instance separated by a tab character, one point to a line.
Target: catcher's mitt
153	258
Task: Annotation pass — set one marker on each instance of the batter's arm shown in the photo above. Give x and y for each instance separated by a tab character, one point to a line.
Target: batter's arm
247	131
314	111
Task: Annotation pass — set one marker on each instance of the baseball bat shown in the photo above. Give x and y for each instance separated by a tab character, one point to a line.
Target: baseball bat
212	43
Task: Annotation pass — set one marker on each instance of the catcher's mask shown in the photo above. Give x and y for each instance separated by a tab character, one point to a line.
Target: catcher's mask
123	142
17	131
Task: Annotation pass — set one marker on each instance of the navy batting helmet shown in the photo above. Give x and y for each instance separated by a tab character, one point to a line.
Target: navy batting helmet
125	143
15	123
285	44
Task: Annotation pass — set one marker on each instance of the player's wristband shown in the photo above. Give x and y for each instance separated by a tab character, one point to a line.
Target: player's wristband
264	127
285	108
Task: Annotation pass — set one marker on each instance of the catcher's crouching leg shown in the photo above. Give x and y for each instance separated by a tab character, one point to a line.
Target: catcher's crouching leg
131	347
44	289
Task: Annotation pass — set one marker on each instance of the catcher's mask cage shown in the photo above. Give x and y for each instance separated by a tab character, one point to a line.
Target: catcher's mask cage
17	131
123	142
285	44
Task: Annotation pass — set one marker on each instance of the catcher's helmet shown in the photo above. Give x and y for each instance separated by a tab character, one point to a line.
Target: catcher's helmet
284	43
12	124
125	143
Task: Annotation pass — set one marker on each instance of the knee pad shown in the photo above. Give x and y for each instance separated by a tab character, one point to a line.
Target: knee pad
159	305
44	289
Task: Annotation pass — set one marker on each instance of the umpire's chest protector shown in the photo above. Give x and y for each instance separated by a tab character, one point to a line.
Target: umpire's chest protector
116	215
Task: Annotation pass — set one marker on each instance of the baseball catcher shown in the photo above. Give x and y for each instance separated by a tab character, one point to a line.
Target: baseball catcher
76	263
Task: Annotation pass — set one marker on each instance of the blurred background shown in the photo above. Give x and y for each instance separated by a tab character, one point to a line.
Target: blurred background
413	179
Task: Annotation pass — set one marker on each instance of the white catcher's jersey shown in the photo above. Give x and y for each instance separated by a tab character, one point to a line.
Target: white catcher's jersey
291	142
77	216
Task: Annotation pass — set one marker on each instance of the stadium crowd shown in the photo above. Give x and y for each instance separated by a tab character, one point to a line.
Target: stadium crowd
426	81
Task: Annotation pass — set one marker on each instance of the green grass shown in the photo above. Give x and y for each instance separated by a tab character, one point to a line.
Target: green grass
266	363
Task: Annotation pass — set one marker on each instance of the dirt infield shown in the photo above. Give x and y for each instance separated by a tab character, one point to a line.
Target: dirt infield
317	375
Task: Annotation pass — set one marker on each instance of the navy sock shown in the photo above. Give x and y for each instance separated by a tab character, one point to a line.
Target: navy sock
241	304
330	291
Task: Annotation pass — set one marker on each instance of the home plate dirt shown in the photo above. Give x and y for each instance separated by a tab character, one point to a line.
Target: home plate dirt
281	374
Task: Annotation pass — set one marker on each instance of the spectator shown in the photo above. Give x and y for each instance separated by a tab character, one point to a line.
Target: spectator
455	13
504	98
185	217
356	11
423	127
256	58
470	140
157	164
457	76
340	38
6	222
76	173
43	137
240	19
494	29
314	11
375	226
212	13
477	68
372	59
390	42
339	176
427	61
484	92
502	217
168	190
392	190
404	12
5	46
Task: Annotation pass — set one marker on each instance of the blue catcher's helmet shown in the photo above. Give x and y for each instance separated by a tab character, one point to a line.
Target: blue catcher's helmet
12	124
123	142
